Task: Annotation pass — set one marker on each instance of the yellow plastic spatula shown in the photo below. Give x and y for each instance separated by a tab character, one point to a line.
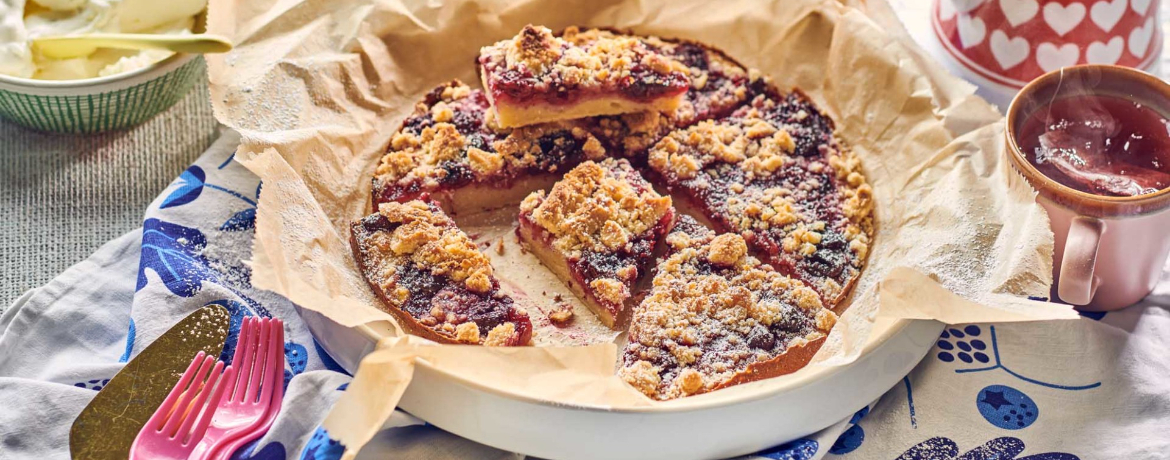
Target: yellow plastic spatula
74	46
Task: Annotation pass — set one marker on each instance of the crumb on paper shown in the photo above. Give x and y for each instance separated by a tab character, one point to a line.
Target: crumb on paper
561	315
500	246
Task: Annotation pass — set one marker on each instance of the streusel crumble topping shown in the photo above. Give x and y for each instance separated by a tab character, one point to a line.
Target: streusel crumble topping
774	174
714	312
433	277
597	207
535	62
451	140
432	241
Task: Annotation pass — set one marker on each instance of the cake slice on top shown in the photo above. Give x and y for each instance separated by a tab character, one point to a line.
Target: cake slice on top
537	77
596	229
717	317
433	278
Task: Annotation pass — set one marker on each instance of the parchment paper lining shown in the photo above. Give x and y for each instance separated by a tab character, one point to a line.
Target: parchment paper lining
316	88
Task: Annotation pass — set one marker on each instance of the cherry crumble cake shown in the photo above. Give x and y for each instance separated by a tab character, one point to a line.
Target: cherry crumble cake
537	77
773	173
601	108
434	279
451	150
596	229
717	317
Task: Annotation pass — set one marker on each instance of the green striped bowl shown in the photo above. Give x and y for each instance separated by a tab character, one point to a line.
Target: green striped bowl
98	104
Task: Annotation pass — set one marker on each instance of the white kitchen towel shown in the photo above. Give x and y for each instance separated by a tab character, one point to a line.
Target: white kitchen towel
1096	388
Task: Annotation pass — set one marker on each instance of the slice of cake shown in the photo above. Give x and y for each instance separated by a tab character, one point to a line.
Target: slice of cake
719	85
537	77
433	278
717	317
774	174
596	229
452	151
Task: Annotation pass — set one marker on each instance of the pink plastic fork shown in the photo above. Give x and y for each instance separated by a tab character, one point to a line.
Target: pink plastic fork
253	399
182	419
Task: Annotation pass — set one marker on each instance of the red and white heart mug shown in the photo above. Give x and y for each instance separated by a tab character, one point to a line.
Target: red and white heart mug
1001	45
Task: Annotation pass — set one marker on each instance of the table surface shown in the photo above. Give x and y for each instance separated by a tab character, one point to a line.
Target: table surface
64	196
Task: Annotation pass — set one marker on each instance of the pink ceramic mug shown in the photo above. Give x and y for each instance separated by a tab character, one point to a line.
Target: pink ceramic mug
1109	250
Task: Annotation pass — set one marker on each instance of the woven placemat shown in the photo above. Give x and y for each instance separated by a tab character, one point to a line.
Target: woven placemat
64	196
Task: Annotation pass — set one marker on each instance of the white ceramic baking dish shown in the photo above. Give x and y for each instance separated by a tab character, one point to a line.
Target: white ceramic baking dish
756	417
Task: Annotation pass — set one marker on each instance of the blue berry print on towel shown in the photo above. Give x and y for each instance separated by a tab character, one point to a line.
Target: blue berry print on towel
297	358
967	345
1007	407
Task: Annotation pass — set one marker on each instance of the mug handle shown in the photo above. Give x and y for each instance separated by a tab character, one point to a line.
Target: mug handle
1077	283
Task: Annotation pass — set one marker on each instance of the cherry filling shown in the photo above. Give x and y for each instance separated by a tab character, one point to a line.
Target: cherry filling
814	194
428	291
717	97
809	128
643	85
722	347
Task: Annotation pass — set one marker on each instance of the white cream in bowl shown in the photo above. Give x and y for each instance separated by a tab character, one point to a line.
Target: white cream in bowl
23	20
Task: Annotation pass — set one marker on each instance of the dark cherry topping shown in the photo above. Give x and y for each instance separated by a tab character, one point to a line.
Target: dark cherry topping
773	173
728	312
412	284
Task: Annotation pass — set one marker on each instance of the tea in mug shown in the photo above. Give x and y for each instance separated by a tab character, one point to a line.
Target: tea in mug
1098	144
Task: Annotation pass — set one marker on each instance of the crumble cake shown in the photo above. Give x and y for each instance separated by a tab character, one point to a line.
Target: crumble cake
717	317
596	230
434	279
774	174
451	150
537	77
718	86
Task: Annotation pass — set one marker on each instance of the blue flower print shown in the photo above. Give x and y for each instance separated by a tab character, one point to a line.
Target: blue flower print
238	312
852	437
800	449
131	333
320	447
240	221
172	251
270	451
849	441
190	186
1005	448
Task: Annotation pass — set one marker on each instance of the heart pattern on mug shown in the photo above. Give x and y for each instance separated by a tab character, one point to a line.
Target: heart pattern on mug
1063	19
1140	6
1106	13
972	30
1105	53
965	6
1019	11
1139	38
1004	41
1008	52
1051	57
